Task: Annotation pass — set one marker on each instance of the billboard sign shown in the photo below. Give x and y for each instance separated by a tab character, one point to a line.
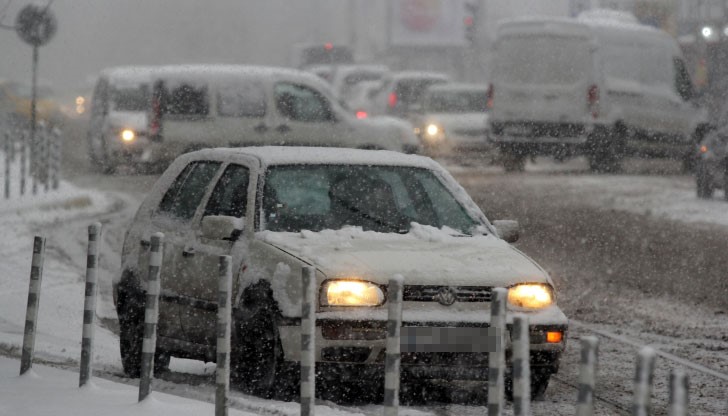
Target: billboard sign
428	22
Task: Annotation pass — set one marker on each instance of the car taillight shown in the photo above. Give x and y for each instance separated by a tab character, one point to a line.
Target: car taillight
592	97
392	101
489	97
361	114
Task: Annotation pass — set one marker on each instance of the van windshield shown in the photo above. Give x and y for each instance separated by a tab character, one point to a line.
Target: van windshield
539	59
130	99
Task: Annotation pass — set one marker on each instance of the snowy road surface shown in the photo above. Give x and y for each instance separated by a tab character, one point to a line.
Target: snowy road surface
598	285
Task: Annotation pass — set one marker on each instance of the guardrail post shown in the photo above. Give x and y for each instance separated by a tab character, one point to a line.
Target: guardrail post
89	305
31	313
678	393
222	374
521	367
8	159
497	359
392	360
151	316
643	382
308	339
587	376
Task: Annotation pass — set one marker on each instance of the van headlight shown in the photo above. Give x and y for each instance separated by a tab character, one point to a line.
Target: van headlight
350	293
128	135
433	130
531	295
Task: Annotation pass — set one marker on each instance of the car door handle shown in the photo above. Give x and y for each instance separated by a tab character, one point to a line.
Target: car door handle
260	128
188	252
283	129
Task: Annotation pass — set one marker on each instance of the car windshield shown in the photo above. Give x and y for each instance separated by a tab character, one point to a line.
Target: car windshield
456	102
130	99
376	198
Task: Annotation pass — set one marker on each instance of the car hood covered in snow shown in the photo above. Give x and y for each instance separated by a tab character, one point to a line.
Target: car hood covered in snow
424	256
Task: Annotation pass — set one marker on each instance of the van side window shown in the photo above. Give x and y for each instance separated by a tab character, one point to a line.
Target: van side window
186	100
300	103
230	195
182	198
241	100
683	83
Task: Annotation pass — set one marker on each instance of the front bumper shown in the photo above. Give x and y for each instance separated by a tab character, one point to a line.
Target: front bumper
344	345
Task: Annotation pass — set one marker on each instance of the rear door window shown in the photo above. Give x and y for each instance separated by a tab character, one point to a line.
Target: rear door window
182	198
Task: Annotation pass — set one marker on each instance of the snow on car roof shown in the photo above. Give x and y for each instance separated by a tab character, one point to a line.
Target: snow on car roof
128	73
419	74
287	155
458	86
208	70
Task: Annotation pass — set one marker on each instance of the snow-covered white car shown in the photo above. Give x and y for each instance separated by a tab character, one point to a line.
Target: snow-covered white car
454	119
359	217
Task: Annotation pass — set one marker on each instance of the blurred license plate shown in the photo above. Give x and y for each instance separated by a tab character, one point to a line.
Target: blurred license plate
461	339
517	130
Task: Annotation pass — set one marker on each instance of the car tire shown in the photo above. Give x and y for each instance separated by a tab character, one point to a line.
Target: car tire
606	149
98	155
703	184
256	361
130	310
540	378
513	160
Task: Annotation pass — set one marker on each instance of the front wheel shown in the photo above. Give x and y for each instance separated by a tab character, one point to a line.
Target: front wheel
540	378
256	359
513	159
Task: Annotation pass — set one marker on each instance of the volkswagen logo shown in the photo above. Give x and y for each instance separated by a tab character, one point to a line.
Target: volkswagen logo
446	296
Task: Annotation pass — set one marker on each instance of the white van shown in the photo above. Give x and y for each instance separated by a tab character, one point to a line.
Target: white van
200	106
603	87
118	122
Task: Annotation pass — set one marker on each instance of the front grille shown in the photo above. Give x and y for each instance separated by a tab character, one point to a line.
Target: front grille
428	293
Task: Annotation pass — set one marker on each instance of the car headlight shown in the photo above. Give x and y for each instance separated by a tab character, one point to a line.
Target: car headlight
433	129
128	135
351	293
531	295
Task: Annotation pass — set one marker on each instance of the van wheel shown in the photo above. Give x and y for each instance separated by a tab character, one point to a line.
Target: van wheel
703	185
98	155
540	378
256	359
513	160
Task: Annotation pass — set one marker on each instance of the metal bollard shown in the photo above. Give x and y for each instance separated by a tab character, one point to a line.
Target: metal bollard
56	157
308	338
89	305
222	373
392	360
151	316
23	161
31	314
678	393
521	367
8	159
497	359
643	382
587	376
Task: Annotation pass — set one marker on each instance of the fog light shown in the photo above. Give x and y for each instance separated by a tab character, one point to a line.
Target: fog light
554	337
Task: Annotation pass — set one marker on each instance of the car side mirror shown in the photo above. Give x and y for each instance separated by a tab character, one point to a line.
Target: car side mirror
508	230
222	227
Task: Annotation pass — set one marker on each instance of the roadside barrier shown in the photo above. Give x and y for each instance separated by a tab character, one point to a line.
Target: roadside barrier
39	162
222	373
392	356
151	316
497	359
308	339
643	380
31	313
89	306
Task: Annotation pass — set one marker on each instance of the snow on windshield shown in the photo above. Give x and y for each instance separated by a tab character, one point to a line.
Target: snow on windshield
377	198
